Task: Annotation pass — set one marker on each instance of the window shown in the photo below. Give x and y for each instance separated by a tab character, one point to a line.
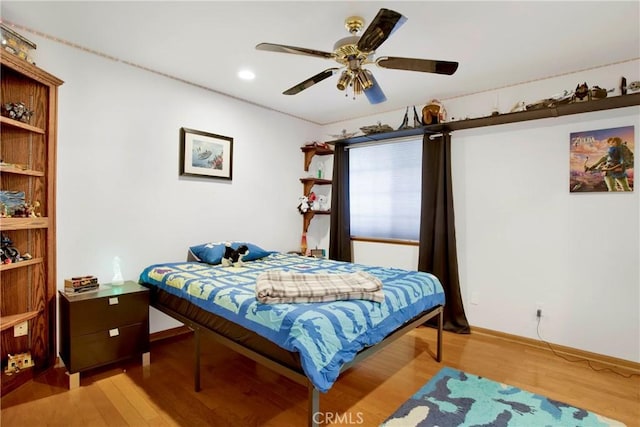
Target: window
384	186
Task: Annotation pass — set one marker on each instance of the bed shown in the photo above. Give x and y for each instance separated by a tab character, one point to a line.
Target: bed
310	343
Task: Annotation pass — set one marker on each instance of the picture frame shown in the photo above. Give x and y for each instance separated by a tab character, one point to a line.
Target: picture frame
205	154
601	160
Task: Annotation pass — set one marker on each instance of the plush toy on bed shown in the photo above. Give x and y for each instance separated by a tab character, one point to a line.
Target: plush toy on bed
233	257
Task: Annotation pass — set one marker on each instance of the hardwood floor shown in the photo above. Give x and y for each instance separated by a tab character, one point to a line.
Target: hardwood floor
236	391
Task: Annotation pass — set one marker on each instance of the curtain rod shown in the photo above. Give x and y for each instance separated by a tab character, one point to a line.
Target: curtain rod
390	141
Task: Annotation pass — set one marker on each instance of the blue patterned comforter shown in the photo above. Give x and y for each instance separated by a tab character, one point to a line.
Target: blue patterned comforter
327	335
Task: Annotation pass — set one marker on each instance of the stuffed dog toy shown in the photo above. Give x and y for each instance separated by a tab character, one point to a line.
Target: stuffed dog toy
233	257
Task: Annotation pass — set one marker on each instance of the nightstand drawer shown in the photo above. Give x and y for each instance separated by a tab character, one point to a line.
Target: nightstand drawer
98	314
100	348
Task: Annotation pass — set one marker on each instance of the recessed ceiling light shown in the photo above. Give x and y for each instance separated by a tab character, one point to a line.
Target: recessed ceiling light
246	74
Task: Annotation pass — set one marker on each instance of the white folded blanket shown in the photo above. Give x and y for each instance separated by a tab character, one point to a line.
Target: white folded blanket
276	286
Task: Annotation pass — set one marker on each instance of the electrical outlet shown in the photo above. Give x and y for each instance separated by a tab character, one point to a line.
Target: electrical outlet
539	310
21	329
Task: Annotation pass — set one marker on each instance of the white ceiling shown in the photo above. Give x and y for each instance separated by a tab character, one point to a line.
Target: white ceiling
496	43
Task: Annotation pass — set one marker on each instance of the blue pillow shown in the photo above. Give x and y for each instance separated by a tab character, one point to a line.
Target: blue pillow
212	253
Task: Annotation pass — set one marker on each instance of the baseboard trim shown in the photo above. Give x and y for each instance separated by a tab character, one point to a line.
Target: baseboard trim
613	362
169	333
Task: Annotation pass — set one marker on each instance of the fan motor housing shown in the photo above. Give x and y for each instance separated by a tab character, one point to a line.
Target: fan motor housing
346	50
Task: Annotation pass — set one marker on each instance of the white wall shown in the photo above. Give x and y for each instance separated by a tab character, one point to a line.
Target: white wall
385	255
118	187
523	239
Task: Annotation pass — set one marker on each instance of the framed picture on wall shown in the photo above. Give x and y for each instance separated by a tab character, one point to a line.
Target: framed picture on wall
602	160
205	154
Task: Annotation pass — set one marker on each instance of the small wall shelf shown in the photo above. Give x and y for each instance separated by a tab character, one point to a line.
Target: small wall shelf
308	216
310	182
314	150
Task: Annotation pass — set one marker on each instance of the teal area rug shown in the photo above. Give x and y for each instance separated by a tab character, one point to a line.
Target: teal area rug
453	398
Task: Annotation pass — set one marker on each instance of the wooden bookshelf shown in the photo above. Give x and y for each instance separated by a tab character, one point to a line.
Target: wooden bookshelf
28	153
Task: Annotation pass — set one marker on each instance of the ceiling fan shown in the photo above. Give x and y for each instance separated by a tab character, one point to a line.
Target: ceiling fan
355	51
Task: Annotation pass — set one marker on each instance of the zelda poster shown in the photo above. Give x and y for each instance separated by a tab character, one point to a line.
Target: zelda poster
602	160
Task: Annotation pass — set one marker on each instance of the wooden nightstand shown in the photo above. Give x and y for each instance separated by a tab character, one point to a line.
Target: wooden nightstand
102	327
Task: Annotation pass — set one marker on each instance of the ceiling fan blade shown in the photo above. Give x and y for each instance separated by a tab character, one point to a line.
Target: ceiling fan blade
374	94
311	81
271	47
382	26
414	64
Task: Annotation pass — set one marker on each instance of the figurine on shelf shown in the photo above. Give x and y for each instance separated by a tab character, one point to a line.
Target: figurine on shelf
585	93
405	121
433	113
581	93
417	122
518	106
343	135
17	111
313	201
19	361
631	87
317	144
27	210
323	203
32	209
304	204
378	128
597	92
8	253
558	99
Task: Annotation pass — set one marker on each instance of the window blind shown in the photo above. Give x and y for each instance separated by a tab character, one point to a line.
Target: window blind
385	187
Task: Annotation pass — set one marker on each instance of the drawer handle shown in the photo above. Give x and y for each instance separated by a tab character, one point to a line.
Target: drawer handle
114	332
113	301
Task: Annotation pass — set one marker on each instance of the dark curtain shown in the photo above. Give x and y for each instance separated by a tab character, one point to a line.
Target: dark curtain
438	254
340	234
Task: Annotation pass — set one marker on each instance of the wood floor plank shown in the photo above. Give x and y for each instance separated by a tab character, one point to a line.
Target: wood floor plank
121	401
236	391
136	396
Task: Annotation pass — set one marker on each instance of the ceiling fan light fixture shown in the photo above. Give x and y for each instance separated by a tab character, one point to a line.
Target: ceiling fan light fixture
364	78
344	80
357	87
374	94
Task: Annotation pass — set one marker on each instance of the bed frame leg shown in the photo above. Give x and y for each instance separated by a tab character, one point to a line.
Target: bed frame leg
314	406
196	380
440	325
